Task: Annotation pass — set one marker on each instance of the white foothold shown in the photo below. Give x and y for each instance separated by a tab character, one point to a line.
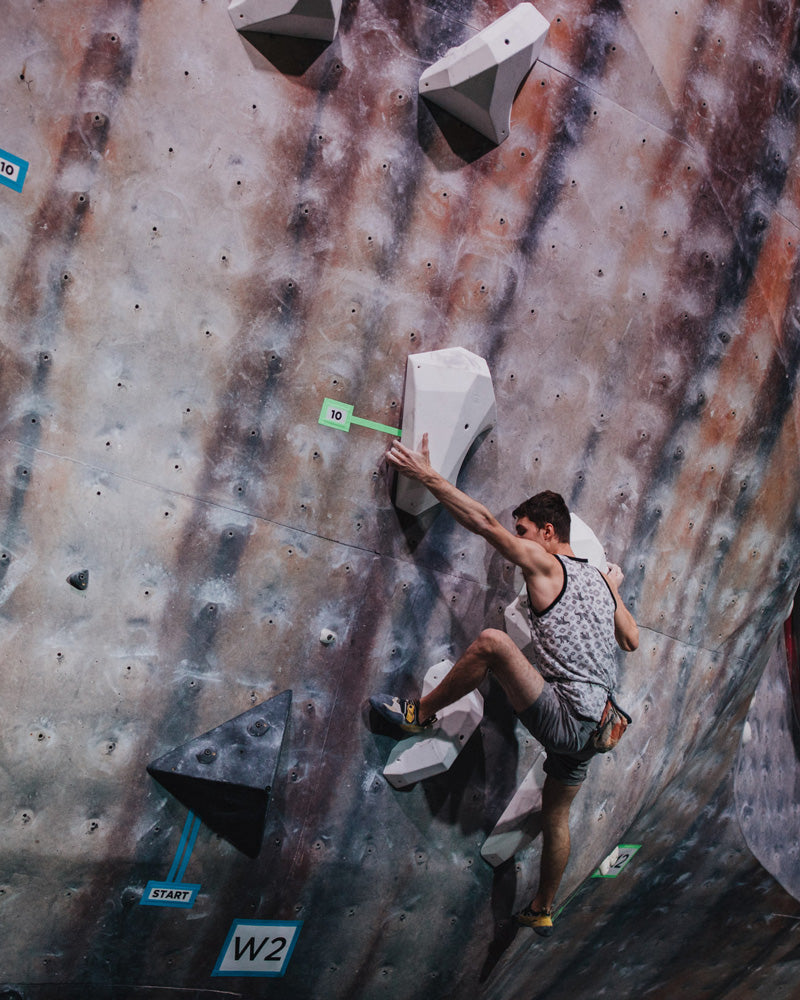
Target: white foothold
477	81
327	637
423	755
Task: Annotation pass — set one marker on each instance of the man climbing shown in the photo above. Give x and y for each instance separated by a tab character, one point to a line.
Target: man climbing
577	616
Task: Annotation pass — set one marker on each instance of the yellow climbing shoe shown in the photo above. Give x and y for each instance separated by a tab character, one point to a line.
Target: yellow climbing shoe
540	920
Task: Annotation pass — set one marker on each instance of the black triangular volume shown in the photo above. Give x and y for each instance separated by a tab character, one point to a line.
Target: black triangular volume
226	775
238	814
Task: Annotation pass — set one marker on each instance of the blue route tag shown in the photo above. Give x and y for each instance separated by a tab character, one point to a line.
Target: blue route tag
12	170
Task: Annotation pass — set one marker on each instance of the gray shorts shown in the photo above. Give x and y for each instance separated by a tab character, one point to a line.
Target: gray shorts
564	736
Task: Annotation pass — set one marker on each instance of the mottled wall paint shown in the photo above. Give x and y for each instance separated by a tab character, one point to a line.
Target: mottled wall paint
216	233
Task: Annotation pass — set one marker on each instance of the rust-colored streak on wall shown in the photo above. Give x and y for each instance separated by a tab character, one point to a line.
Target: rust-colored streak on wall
105	70
216	233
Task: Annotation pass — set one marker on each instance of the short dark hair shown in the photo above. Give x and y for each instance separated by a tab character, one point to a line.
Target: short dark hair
544	508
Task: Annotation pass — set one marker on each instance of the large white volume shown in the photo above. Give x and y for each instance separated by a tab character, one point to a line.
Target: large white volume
477	81
449	395
300	18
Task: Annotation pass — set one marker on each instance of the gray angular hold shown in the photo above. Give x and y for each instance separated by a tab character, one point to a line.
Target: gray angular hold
298	18
226	775
477	81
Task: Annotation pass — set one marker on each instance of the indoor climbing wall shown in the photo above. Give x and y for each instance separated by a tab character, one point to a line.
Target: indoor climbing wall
205	235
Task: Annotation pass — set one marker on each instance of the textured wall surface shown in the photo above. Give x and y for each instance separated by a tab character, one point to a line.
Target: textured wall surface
768	773
217	232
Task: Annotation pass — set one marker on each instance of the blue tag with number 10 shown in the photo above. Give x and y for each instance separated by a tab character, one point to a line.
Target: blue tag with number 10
12	170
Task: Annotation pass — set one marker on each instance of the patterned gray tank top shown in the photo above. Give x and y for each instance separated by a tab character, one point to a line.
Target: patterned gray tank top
574	647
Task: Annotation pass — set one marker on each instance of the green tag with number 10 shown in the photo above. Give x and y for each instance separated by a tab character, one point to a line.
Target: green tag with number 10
340	416
335	414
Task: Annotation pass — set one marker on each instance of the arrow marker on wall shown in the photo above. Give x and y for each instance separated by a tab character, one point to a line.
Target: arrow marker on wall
340	417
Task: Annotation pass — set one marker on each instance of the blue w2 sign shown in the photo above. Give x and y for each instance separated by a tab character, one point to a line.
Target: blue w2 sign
258	948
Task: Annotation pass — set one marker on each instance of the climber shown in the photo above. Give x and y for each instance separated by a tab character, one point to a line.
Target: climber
577	616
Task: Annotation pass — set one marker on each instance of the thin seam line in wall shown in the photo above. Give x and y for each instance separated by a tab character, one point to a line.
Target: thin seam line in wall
304	531
615	104
793	224
229	507
684	642
665	132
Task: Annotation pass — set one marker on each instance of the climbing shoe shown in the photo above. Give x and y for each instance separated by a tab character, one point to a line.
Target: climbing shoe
403	712
540	920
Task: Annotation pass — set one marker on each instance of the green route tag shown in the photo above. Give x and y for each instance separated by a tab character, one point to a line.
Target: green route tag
609	868
616	861
340	417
